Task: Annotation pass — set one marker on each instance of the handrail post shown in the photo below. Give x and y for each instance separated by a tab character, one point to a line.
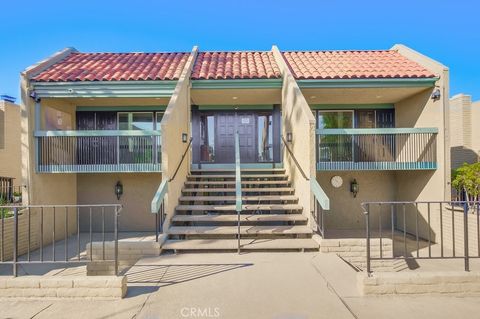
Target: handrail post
15	241
116	240
157	226
465	236
238	187
367	221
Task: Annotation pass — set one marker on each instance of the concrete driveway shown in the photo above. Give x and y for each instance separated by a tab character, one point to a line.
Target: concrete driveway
255	285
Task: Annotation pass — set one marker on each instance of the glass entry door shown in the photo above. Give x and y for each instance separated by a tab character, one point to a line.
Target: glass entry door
215	142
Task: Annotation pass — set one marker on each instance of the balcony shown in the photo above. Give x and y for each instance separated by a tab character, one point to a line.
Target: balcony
377	149
105	151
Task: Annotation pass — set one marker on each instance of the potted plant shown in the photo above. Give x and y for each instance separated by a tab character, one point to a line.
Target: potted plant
4	212
17	197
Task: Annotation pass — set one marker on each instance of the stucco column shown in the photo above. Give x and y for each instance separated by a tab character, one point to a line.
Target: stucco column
175	122
298	120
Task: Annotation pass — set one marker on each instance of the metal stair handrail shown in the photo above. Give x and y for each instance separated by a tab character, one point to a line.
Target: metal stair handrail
158	204
238	186
322	202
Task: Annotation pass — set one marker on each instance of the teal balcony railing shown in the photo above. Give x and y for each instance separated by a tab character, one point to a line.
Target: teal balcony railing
98	151
377	149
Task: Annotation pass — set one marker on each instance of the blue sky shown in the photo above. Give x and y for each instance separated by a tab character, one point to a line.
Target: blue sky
445	30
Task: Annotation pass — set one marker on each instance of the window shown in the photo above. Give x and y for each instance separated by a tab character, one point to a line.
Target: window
135	121
335	119
207	138
265	138
359	148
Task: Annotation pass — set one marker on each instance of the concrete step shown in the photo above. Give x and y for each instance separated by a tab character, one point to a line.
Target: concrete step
244	182
243	218
244	207
244	190
232	176
244	230
245	244
244	198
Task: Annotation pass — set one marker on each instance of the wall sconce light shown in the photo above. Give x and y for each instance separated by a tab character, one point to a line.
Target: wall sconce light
184	137
436	95
119	190
289	137
354	187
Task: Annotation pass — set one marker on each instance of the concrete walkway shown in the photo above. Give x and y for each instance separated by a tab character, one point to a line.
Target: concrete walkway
255	285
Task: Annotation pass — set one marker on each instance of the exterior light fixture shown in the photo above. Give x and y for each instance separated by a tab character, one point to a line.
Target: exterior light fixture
119	189
34	96
436	95
184	137
354	187
289	137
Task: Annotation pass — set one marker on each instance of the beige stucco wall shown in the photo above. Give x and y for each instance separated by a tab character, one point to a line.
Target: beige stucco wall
46	189
297	119
176	121
138	191
465	136
345	210
421	111
10	143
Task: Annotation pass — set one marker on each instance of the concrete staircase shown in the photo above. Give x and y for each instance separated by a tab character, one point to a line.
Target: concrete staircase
271	218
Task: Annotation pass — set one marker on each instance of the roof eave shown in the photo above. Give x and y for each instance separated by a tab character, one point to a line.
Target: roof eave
41	66
112	89
272	83
367	83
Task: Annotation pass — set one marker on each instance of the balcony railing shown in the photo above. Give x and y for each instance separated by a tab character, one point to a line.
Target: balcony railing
377	149
98	151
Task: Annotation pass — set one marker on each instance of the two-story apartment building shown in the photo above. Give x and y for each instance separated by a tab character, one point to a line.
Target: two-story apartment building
325	129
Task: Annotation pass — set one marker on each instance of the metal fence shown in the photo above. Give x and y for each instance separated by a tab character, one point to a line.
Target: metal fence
423	230
34	234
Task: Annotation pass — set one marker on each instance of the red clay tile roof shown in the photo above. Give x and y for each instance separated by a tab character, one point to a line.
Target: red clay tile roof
235	65
115	67
353	65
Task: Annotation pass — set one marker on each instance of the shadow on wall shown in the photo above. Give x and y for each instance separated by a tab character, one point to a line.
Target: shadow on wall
408	111
461	154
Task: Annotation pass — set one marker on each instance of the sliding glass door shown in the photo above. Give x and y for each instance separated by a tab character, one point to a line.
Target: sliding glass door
335	148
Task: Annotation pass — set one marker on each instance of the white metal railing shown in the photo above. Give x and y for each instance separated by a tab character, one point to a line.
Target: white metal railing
158	207
98	151
377	149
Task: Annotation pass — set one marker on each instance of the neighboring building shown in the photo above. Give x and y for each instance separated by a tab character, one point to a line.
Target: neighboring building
465	136
379	118
10	148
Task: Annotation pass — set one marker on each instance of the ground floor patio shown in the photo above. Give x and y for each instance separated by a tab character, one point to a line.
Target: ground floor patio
253	285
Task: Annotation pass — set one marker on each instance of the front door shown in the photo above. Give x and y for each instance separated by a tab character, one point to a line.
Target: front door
226	124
